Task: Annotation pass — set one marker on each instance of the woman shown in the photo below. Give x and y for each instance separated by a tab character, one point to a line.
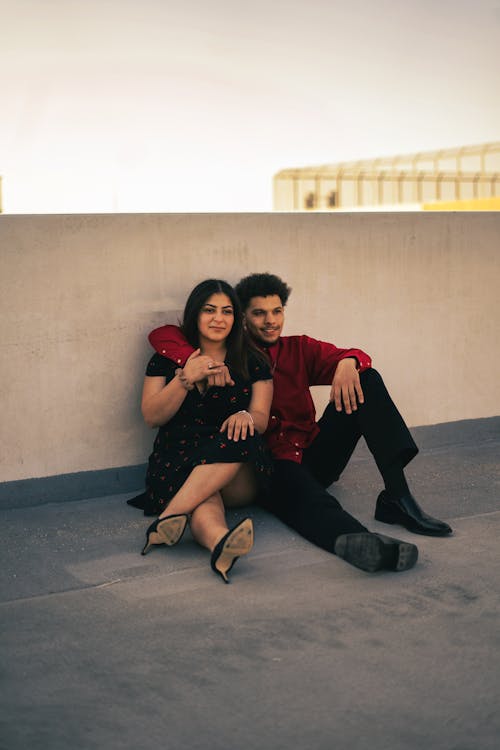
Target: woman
208	436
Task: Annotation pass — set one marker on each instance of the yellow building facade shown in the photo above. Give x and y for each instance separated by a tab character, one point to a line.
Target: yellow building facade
463	179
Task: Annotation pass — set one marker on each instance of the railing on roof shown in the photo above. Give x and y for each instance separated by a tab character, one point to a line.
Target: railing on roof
410	178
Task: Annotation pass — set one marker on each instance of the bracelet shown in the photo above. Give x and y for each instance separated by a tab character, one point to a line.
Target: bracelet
184	381
244	411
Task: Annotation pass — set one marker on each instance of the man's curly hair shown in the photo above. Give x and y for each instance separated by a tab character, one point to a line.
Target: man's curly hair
261	285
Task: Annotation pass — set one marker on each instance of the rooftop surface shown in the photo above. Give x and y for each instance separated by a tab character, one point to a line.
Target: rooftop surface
103	648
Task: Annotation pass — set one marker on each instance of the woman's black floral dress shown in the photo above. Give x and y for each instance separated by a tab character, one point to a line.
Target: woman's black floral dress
192	436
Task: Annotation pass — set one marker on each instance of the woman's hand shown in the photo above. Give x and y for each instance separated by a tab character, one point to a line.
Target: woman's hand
201	367
238	426
220	376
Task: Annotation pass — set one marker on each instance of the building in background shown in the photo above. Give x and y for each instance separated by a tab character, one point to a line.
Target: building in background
461	179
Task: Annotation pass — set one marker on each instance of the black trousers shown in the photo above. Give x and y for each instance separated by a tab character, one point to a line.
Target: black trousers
298	494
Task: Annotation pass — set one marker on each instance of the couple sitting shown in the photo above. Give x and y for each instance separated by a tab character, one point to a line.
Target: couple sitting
210	391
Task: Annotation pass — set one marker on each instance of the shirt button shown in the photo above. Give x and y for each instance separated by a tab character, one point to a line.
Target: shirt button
296	453
163	351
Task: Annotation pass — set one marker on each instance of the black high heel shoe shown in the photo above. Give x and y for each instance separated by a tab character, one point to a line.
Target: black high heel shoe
167	530
237	542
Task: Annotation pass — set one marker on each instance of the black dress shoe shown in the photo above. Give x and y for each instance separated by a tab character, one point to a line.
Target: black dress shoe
406	512
372	552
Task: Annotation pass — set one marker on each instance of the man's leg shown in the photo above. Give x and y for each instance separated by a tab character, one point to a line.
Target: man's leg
377	420
301	502
391	444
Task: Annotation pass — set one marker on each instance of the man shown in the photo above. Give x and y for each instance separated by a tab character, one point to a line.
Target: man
309	455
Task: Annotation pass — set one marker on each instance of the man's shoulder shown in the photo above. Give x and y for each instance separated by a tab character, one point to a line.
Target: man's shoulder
300	348
299	341
167	328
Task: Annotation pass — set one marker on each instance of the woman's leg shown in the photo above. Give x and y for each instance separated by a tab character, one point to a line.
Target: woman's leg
209	528
242	490
208	522
201	484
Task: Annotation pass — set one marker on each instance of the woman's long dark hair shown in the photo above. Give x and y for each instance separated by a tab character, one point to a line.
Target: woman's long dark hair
235	343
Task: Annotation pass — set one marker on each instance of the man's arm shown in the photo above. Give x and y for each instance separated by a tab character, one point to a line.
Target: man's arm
339	367
323	359
346	388
170	342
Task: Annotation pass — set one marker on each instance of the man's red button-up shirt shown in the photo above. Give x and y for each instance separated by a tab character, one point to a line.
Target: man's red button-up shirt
298	362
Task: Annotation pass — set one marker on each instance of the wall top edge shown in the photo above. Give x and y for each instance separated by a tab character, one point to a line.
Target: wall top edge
231	214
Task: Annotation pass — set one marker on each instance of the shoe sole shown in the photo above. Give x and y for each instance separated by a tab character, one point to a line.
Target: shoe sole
171	529
237	544
370	553
168	531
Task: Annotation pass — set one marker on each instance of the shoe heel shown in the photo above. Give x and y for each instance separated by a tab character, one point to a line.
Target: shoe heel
407	556
235	544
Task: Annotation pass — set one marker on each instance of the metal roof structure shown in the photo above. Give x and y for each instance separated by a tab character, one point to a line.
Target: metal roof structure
451	174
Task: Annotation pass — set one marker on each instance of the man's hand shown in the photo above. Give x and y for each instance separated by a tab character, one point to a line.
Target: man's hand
346	389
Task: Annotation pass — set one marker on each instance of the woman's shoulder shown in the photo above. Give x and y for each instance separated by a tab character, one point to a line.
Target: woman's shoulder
160	366
258	367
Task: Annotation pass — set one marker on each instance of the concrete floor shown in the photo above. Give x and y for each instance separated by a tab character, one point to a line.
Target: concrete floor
103	648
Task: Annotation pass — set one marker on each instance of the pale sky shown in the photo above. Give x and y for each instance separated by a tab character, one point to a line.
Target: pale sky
155	105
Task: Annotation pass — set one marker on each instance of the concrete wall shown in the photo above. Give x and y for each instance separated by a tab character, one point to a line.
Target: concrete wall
419	292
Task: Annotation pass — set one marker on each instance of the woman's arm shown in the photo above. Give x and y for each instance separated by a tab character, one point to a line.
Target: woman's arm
161	400
170	342
260	404
241	423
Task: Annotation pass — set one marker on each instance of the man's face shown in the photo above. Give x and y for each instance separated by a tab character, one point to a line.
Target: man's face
264	318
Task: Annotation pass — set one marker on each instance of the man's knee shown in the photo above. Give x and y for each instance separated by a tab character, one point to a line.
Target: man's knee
372	384
371	376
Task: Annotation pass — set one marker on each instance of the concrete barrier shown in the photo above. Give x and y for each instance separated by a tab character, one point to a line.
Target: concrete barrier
418	291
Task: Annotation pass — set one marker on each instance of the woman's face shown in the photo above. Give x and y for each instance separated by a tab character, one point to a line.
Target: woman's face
215	319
